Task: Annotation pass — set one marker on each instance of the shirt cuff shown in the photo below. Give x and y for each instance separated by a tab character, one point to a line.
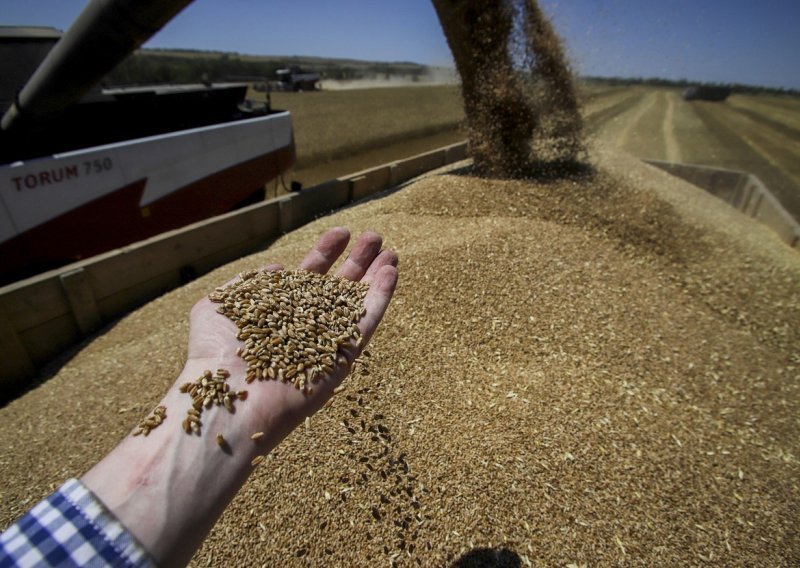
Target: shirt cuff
71	527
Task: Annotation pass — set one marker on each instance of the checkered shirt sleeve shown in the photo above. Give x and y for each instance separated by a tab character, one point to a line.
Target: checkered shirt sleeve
71	527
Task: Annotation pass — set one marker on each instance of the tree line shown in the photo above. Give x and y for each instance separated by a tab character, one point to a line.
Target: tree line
685	83
153	68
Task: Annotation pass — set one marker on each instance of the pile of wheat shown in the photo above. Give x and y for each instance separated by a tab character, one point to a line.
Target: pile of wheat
596	370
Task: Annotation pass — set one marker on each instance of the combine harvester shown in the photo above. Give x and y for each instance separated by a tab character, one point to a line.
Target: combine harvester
296	80
84	170
706	93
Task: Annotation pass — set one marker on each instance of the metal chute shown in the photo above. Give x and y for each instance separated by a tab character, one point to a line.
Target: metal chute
104	34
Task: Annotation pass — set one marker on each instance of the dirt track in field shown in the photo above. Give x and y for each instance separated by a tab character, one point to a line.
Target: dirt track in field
757	134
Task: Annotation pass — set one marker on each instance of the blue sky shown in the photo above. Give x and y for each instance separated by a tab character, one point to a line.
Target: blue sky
742	41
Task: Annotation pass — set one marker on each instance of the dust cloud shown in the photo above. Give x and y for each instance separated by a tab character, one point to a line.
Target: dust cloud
433	76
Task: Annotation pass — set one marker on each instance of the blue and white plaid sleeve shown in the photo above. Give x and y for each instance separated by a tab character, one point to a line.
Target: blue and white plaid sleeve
71	527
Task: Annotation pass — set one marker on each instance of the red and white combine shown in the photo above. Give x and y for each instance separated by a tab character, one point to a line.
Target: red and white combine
84	170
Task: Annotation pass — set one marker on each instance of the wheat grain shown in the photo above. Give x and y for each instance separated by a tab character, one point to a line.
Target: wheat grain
151	421
292	323
207	390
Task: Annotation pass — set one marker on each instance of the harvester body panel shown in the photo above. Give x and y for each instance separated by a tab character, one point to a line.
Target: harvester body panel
83	171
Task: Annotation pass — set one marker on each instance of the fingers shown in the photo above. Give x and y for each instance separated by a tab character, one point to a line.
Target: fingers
385	258
361	257
326	250
377	268
381	289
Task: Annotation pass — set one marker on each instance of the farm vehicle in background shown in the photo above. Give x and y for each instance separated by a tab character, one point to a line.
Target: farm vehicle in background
290	80
85	170
706	93
296	80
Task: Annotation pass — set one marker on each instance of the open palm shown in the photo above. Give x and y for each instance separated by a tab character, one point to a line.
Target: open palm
213	343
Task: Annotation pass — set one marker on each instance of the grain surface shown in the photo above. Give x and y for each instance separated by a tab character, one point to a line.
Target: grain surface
600	370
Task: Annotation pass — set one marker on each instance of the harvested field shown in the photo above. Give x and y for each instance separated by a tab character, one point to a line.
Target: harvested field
346	131
756	134
599	370
341	132
337	124
321	172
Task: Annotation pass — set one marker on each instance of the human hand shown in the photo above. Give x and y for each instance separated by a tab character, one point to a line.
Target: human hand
273	404
152	484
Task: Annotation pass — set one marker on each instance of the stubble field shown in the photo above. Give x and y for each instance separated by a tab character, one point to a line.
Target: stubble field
755	133
344	131
340	132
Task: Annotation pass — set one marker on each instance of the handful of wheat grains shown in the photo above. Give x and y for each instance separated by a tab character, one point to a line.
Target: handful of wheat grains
293	325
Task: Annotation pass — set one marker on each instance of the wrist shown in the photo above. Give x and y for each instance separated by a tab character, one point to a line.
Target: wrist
169	487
